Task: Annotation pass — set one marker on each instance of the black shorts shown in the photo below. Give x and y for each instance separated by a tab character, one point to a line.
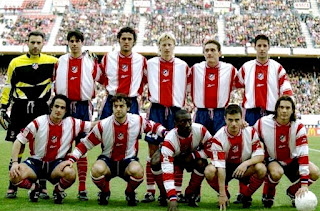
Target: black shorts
230	167
291	170
117	168
42	169
22	113
185	161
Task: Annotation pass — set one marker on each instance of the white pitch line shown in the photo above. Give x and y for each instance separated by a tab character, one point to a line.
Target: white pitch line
316	150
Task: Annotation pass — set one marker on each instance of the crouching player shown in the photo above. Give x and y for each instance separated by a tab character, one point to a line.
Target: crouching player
118	135
238	153
181	148
50	138
287	151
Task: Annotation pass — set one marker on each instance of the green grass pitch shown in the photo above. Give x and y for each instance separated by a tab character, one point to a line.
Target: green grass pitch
117	201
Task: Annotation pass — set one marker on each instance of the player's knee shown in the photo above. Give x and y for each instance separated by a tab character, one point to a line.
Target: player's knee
201	164
97	170
314	172
210	172
69	173
276	174
261	170
136	170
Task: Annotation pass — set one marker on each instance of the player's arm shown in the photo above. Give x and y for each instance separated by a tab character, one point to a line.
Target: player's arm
223	198
8	88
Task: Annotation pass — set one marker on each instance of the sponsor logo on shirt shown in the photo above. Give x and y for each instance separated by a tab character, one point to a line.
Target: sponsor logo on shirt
165	80
124	76
210	85
73	78
35	66
259	85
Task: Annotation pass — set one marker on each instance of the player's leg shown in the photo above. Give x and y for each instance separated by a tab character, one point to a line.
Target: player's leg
63	178
275	172
133	174
255	174
101	175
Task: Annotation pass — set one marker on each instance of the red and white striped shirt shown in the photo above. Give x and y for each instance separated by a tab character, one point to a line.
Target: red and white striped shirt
263	84
49	141
235	149
285	142
126	75
175	145
75	77
119	141
167	81
211	86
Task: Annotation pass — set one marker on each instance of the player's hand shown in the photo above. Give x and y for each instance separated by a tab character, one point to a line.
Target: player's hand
65	163
173	206
92	55
302	190
240	170
244	124
15	170
4	118
223	202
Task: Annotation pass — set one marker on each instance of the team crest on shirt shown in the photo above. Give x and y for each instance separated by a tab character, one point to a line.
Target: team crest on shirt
74	69
235	149
282	138
124	68
120	136
260	76
211	76
35	66
54	139
165	72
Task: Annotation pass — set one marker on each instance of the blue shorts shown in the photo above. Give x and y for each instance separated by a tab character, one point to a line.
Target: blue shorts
164	116
107	109
212	124
253	114
81	110
117	168
42	169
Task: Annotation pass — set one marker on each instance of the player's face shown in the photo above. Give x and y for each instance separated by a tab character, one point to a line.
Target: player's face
35	44
284	112
262	47
233	122
183	123
166	48
120	110
75	45
211	53
58	110
126	42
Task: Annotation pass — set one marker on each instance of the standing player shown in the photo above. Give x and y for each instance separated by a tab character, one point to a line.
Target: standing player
211	85
286	145
264	80
28	85
118	136
50	138
167	82
179	149
240	152
75	77
124	71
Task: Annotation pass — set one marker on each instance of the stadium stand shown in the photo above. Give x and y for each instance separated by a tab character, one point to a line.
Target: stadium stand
33	4
313	24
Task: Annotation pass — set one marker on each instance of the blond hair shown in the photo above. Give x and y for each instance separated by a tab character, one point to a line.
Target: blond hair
166	36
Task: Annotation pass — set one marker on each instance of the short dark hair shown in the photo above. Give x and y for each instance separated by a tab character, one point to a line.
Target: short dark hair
36	33
127	29
261	37
206	42
65	99
78	34
289	99
179	113
233	109
120	97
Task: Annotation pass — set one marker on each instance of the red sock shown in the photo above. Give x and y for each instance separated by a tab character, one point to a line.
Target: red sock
133	183
214	184
159	180
151	187
254	184
25	183
269	188
195	182
178	176
82	165
242	187
63	184
102	183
